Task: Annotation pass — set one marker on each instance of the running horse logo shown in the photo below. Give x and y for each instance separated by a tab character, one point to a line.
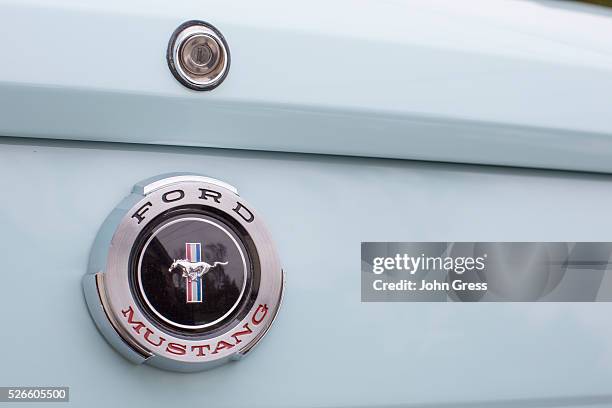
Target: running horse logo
193	270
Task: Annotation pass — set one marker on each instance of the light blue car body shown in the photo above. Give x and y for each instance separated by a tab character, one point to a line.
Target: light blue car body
341	122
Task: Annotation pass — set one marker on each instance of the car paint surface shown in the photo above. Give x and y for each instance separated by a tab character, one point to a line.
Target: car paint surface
521	83
326	347
332	147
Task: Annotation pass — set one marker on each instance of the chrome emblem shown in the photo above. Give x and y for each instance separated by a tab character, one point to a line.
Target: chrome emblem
183	274
193	269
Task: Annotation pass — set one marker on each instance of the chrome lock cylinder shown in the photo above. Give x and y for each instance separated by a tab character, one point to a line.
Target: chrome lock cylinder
198	55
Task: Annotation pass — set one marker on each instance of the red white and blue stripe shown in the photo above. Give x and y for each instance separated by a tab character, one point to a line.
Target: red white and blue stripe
193	253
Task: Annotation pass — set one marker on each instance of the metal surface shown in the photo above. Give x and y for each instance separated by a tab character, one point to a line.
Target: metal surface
513	83
119	235
110	316
198	55
151	184
471	83
326	347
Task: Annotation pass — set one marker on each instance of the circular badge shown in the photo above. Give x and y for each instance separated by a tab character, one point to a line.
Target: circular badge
183	274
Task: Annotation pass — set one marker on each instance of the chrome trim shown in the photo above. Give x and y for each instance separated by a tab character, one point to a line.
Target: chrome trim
144	353
199	77
148	186
126	327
